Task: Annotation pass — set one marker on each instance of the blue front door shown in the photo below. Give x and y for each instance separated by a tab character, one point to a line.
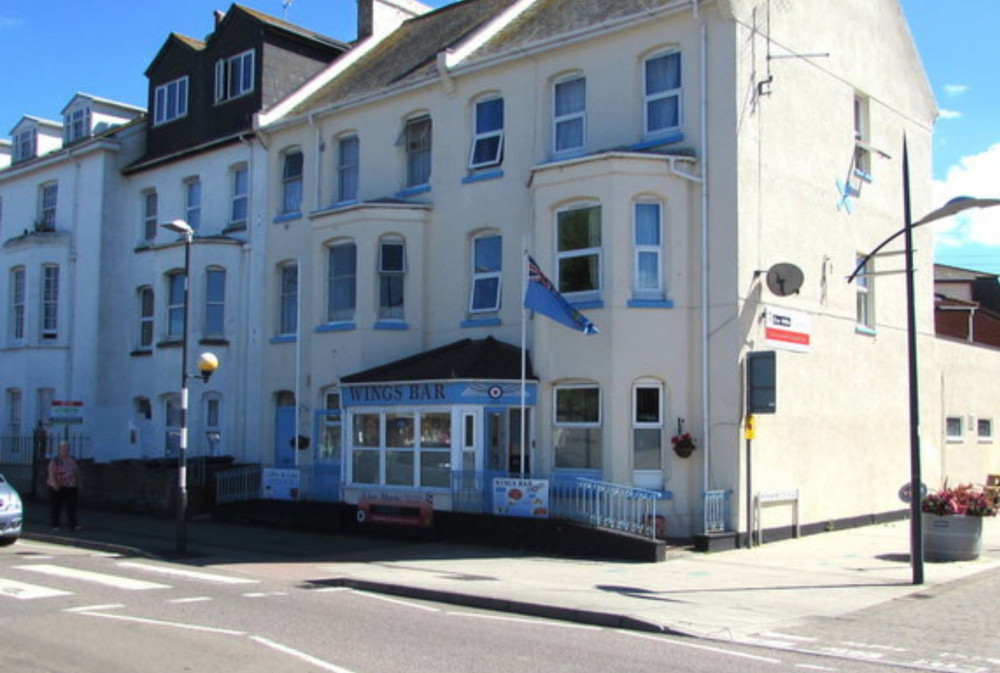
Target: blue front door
284	436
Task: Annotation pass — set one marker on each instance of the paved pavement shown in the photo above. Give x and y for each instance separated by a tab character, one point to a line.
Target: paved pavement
726	595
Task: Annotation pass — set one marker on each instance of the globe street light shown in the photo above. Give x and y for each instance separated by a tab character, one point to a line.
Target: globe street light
953	207
207	364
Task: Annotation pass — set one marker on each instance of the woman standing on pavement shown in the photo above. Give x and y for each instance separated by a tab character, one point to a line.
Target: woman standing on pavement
63	482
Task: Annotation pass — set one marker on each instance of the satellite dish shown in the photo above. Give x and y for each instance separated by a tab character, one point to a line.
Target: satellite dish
784	279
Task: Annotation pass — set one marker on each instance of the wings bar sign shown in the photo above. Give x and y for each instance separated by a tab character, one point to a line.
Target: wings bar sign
787	329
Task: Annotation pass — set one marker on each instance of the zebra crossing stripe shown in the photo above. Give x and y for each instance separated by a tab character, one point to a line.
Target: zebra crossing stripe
27	592
189	574
96	578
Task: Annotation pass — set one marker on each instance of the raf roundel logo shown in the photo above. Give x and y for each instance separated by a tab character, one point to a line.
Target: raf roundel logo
496	392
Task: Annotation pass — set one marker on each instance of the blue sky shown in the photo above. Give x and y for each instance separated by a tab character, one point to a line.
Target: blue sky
56	48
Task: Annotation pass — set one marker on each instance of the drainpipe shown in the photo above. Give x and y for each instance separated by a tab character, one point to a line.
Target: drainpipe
703	151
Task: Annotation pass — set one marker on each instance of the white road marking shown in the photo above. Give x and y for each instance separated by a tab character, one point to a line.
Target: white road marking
396	601
95	608
27	592
785	636
157	622
811	667
188	574
97	578
192	599
874	646
706	648
278	647
308	658
264	594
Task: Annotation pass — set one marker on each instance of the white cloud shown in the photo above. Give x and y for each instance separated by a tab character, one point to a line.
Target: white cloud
955	89
975	175
949	114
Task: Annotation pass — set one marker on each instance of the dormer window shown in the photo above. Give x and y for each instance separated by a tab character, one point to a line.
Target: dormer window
25	144
234	76
76	125
171	101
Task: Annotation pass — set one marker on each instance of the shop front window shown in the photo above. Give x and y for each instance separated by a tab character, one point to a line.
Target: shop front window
402	448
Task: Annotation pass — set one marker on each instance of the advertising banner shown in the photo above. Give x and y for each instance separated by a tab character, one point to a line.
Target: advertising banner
521	497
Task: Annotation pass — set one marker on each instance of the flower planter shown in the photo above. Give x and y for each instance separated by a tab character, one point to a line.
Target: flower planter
952	538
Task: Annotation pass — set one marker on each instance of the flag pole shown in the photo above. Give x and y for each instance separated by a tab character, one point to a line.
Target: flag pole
524	350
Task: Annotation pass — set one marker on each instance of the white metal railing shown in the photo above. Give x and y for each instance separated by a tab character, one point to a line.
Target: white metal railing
238	484
715	511
606	505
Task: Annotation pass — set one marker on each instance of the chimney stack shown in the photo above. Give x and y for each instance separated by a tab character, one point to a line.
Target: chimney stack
380	17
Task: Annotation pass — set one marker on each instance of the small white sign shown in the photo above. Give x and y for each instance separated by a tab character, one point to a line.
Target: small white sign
786	329
280	483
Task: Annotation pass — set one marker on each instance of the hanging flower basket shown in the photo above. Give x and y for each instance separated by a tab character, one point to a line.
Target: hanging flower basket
684	444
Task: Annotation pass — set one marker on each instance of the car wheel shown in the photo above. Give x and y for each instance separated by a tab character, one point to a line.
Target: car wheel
7	541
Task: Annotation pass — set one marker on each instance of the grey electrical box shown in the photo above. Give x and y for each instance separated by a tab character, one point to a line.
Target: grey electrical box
762	382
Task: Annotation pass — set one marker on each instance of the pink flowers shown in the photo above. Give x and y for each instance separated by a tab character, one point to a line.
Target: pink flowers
962	500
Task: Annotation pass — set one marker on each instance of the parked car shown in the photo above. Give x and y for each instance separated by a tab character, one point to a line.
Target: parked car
11	513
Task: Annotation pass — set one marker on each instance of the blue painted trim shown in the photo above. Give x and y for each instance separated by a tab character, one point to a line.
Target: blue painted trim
392	325
666	495
650	303
867	177
412	191
481	322
481	392
585	305
563	474
675	137
339	326
867	331
484	175
287	217
285	339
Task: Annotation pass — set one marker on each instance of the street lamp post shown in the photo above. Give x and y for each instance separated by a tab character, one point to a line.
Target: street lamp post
953	207
207	364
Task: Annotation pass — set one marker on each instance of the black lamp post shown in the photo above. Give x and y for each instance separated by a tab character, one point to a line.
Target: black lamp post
207	364
953	207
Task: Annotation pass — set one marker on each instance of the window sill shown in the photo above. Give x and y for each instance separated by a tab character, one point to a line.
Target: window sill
650	303
337	326
583	303
480	176
866	331
234	227
481	322
667	138
412	191
288	217
141	352
170	343
213	341
284	339
398	325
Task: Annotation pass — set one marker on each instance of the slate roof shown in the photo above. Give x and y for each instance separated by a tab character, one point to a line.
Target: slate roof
479	359
547	19
409	53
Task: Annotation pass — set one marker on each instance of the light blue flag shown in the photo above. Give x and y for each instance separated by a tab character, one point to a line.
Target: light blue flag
542	297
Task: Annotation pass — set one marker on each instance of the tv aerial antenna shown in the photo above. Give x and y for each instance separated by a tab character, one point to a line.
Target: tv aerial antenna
764	85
